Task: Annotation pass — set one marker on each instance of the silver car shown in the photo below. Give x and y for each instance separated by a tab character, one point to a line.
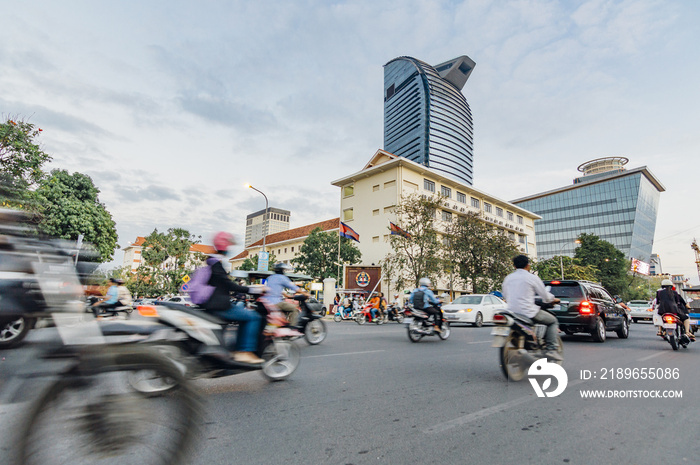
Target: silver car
476	309
641	310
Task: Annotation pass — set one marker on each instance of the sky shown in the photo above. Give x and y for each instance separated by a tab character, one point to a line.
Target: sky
171	107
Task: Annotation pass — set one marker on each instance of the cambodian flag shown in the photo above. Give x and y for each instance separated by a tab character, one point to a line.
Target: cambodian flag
398	231
348	232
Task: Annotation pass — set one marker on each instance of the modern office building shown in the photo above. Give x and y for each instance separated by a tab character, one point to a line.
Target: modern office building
426	117
616	204
259	224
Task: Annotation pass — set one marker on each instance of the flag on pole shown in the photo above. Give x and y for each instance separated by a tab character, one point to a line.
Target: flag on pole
348	232
398	231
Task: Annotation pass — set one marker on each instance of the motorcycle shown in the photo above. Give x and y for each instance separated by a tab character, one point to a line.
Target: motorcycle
196	342
365	316
310	320
421	324
127	310
521	342
394	313
673	331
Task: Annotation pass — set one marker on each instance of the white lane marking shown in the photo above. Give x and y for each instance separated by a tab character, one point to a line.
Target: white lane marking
648	357
478	342
346	353
461	421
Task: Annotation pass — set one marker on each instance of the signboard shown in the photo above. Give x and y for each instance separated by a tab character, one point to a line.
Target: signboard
263	261
186	279
363	278
640	267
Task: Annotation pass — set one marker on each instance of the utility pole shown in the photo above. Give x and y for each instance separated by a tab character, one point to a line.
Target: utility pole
696	249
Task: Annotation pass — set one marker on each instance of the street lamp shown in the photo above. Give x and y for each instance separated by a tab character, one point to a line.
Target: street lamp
561	260
265	223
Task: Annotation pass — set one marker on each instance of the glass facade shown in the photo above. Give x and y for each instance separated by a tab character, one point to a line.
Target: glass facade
621	210
426	117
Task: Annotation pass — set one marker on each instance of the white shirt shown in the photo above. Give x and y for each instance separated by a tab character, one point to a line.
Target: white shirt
519	290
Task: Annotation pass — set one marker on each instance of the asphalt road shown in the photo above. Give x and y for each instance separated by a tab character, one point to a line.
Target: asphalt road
367	395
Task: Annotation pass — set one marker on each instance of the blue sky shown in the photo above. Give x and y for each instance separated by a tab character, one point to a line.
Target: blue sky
172	106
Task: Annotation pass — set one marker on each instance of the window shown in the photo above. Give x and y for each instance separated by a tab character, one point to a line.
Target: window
428	185
389	184
446	216
499	212
520	219
375	212
375	188
476	203
509	215
408	185
511	235
285	250
521	239
462	198
292	249
389	210
487	207
375	239
348	191
348	214
446	191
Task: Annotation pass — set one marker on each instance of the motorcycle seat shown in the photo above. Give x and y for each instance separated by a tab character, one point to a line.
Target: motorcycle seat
520	317
198	313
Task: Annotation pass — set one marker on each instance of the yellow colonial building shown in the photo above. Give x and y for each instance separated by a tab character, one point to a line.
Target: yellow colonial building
369	198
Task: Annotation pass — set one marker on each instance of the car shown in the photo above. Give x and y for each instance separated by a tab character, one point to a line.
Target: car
181	299
587	307
476	309
641	310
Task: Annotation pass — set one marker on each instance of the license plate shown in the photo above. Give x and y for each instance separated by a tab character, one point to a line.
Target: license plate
500	331
670	325
556	307
451	317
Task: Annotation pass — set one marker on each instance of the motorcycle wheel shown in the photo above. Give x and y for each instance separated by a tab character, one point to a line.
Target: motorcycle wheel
337	318
673	339
91	415
413	334
13	332
315	332
361	319
150	383
511	370
445	331
399	318
281	360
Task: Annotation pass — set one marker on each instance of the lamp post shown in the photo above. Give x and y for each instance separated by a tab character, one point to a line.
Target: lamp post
266	220
561	260
263	256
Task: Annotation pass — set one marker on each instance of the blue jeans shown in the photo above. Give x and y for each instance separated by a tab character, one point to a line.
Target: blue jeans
249	323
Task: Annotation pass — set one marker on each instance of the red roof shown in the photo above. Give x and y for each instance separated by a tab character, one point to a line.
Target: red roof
296	233
240	256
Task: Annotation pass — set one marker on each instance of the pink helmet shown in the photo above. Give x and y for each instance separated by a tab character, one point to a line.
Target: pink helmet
223	240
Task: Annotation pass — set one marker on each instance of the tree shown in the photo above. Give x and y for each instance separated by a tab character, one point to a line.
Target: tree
550	269
482	254
609	261
416	256
69	206
21	160
251	262
167	259
318	255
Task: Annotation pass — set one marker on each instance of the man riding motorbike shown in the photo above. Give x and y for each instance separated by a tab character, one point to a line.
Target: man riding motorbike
277	283
669	301
427	303
519	290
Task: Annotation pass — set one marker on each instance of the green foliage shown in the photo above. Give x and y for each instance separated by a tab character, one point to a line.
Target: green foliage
573	269
69	206
609	261
21	160
318	255
418	256
481	253
166	259
251	262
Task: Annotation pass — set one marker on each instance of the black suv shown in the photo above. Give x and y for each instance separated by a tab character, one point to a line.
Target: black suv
587	307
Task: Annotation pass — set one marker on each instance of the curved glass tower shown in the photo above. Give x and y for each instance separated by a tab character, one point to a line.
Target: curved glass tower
426	117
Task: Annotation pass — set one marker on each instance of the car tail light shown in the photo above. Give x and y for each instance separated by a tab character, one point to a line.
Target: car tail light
147	311
669	319
500	319
555	282
585	308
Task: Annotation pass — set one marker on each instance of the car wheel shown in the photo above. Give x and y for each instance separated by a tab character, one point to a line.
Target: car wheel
13	332
635	320
479	320
624	331
599	330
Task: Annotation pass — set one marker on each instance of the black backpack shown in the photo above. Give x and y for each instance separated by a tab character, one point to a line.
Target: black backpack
419	300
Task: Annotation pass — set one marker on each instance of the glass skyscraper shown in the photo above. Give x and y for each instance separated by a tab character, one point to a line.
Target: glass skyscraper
617	205
426	117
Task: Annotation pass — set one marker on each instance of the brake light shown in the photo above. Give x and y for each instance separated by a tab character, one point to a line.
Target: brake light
500	319
585	308
147	311
669	319
555	282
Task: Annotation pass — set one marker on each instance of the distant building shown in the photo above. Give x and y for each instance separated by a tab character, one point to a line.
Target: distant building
616	204
283	245
259	224
655	265
132	252
426	117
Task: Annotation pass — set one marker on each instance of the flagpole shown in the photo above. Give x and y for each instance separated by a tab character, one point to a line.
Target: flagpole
338	273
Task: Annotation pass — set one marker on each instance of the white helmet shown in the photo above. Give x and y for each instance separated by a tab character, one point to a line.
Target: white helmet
666	282
424	282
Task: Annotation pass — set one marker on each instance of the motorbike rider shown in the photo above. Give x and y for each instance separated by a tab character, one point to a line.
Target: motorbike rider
519	290
670	301
219	303
110	300
429	304
277	283
374	303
